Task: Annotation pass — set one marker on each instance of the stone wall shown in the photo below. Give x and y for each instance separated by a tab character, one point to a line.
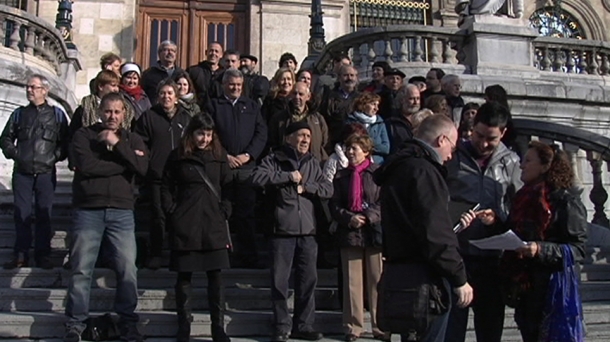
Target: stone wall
98	27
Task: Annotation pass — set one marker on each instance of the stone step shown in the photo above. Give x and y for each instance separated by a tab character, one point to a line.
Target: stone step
246	298
37	325
58	278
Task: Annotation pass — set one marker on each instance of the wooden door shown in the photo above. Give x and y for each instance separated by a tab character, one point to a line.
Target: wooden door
192	25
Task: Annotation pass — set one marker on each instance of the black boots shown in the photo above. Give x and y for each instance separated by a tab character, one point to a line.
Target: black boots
216	303
184	297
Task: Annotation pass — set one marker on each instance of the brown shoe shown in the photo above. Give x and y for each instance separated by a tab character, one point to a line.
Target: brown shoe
18	261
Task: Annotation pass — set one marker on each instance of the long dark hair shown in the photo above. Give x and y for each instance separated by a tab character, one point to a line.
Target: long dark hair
201	121
560	174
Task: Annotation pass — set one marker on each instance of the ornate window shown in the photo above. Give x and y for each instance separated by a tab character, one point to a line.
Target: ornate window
555	22
21	4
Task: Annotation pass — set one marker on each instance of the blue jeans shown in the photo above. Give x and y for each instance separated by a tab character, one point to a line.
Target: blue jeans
438	328
91	226
41	187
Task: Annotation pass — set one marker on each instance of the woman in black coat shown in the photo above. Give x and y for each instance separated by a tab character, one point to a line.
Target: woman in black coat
355	207
196	218
547	213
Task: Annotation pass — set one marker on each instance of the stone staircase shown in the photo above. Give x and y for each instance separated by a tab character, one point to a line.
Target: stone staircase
32	300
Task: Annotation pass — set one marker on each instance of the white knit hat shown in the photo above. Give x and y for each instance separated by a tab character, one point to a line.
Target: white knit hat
129	67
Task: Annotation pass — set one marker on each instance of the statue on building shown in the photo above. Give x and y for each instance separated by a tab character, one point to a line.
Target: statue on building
508	8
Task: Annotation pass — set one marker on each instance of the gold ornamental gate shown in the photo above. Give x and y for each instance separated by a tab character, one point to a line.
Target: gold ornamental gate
373	13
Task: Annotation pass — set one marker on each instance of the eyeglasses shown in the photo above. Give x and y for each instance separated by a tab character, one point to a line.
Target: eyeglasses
453	146
33	87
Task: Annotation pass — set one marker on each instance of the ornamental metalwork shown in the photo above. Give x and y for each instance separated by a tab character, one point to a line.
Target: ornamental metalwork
373	13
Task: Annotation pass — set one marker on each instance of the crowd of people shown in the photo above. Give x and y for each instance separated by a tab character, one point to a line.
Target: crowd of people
373	168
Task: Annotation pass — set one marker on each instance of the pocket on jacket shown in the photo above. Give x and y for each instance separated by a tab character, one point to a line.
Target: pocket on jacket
50	134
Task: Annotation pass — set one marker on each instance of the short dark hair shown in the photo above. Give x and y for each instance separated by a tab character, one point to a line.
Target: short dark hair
231	52
497	93
492	114
341	56
287	56
439	73
204	122
108	58
112	97
183	74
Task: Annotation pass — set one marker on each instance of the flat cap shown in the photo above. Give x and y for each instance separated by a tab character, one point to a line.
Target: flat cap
250	57
394	71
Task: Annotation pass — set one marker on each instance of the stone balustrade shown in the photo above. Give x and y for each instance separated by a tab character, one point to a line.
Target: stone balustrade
572	140
396	45
572	55
26	33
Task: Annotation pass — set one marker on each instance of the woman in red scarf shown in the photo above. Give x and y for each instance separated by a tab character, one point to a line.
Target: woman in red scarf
132	91
546	213
355	207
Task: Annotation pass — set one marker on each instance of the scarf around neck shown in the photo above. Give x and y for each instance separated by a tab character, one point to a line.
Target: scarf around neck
135	92
356	191
365	119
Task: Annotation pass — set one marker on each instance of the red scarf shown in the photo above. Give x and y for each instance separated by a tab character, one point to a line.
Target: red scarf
135	92
356	191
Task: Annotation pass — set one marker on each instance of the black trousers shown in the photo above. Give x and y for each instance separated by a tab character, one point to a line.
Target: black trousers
488	305
157	224
242	221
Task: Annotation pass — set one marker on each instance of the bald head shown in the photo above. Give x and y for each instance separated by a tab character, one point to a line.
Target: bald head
439	132
300	95
410	100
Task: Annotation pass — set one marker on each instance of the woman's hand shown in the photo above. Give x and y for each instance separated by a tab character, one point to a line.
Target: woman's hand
530	250
357	221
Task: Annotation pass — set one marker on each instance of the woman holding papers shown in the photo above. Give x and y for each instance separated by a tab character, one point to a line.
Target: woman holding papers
547	214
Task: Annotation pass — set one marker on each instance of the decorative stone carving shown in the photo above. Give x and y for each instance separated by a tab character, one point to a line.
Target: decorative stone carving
509	8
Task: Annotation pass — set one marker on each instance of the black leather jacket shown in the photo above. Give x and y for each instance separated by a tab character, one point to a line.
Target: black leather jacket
36	140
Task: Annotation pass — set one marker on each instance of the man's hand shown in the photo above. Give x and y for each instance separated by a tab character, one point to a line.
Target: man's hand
300	189
108	136
139	153
357	221
234	162
296	177
528	251
243	158
464	294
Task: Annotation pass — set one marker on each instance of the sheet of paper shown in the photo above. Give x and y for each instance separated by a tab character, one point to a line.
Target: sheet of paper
506	241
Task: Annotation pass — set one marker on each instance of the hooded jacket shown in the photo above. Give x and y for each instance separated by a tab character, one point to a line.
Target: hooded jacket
492	187
294	213
414	201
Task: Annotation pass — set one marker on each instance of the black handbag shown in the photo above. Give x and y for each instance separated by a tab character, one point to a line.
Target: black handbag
207	182
410	299
100	328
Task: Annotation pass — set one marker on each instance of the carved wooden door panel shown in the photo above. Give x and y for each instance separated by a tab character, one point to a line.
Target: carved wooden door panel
157	25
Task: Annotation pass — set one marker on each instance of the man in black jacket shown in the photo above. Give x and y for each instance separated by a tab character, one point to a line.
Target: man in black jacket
106	158
256	86
36	138
399	127
391	94
165	68
243	134
204	73
417	230
294	177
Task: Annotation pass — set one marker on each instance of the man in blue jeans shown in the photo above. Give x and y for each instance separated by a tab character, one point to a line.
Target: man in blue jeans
106	159
36	138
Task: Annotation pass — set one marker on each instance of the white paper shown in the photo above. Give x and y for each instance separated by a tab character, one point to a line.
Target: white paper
506	241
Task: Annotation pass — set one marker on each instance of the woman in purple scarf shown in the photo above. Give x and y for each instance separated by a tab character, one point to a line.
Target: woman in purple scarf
355	207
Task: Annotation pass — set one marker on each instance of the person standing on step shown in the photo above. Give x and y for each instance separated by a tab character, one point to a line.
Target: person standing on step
197	212
36	138
163	69
161	128
295	179
107	159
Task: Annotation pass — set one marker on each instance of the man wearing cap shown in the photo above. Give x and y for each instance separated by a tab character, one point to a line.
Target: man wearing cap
294	178
390	93
256	86
164	68
376	84
419	81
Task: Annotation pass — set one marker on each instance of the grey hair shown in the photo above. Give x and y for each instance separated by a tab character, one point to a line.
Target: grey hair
231	73
164	44
433	127
345	68
43	80
447	79
409	86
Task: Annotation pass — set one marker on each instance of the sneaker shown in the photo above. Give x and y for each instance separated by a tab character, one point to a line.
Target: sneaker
130	333
19	260
44	263
72	335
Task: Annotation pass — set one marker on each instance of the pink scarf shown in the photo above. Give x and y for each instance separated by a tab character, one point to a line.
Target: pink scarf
355	188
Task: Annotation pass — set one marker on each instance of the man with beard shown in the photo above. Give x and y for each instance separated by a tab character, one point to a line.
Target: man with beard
204	73
483	171
294	178
391	105
330	78
399	127
433	84
165	68
337	104
378	73
256	86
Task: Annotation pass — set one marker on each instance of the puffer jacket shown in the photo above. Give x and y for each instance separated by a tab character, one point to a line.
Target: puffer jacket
378	133
493	188
294	213
339	208
35	138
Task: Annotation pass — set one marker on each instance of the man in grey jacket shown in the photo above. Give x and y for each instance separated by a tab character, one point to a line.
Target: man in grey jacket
483	170
294	179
